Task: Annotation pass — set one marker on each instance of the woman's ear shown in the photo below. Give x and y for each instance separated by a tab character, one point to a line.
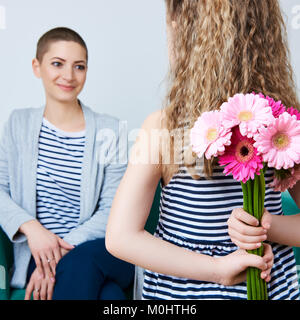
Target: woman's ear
36	68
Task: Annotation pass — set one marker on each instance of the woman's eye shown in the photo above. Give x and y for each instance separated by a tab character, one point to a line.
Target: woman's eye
56	64
80	67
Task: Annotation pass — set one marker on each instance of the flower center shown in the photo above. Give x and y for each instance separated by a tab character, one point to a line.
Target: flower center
211	134
280	140
245	116
244	151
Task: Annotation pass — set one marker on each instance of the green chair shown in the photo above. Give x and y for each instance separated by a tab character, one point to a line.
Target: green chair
6	262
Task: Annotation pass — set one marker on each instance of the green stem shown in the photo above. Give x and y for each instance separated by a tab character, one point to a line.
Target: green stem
245	196
254	194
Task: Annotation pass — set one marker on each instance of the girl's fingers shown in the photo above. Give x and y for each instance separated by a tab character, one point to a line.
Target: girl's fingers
247	239
244	228
245	246
266	219
245	217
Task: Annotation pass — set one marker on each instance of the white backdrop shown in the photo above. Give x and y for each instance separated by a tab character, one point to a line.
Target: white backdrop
127	49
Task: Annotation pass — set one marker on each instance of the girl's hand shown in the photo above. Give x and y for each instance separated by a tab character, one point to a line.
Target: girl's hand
232	268
45	247
42	288
244	230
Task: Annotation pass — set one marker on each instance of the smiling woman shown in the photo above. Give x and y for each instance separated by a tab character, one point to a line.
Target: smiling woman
56	195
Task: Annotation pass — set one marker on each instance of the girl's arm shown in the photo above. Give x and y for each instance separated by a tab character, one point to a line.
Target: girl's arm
295	193
285	229
126	237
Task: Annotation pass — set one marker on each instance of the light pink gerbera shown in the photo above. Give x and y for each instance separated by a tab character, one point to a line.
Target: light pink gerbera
209	136
279	143
277	107
249	112
285	180
240	158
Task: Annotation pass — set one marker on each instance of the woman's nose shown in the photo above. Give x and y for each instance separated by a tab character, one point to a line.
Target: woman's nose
68	73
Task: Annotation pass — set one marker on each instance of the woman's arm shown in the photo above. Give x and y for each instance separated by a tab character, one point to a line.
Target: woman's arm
126	237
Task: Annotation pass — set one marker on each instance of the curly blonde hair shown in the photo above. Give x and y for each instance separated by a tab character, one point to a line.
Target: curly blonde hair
224	47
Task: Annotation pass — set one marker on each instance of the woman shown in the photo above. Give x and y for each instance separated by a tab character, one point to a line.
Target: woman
59	168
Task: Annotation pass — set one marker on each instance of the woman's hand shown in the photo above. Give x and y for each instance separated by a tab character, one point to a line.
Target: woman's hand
244	229
42	288
45	247
232	268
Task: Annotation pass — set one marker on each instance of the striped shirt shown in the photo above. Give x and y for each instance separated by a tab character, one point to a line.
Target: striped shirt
193	215
59	178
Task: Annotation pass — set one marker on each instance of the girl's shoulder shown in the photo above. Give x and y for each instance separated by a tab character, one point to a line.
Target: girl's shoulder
154	120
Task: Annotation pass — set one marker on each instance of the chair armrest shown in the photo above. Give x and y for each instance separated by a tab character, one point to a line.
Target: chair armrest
5	264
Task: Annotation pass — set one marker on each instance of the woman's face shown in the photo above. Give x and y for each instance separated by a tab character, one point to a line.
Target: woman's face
63	71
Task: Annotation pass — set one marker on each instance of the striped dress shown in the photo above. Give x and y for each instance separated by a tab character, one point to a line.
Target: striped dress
59	178
193	215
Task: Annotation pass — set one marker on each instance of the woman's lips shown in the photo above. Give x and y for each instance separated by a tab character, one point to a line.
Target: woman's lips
66	88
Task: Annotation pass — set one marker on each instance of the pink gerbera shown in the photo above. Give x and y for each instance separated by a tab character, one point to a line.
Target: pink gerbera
277	107
209	136
240	158
249	112
279	143
285	179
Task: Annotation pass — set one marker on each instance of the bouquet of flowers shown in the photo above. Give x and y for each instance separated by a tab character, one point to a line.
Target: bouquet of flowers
249	134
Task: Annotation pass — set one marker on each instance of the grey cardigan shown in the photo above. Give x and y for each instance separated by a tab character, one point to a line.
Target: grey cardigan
104	163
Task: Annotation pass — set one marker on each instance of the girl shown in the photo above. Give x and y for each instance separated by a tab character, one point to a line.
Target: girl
216	49
56	185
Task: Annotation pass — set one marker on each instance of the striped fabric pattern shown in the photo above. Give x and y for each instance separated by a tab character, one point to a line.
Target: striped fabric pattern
193	215
59	178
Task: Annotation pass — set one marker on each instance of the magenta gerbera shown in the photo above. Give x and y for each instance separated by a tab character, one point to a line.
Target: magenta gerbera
209	136
240	158
249	112
292	111
279	143
277	107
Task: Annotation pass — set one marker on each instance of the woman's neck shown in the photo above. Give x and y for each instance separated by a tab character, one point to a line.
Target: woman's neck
65	116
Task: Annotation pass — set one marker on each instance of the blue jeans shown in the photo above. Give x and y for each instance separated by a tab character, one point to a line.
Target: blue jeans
90	272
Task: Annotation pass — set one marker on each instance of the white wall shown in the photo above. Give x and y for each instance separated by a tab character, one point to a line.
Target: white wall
127	48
